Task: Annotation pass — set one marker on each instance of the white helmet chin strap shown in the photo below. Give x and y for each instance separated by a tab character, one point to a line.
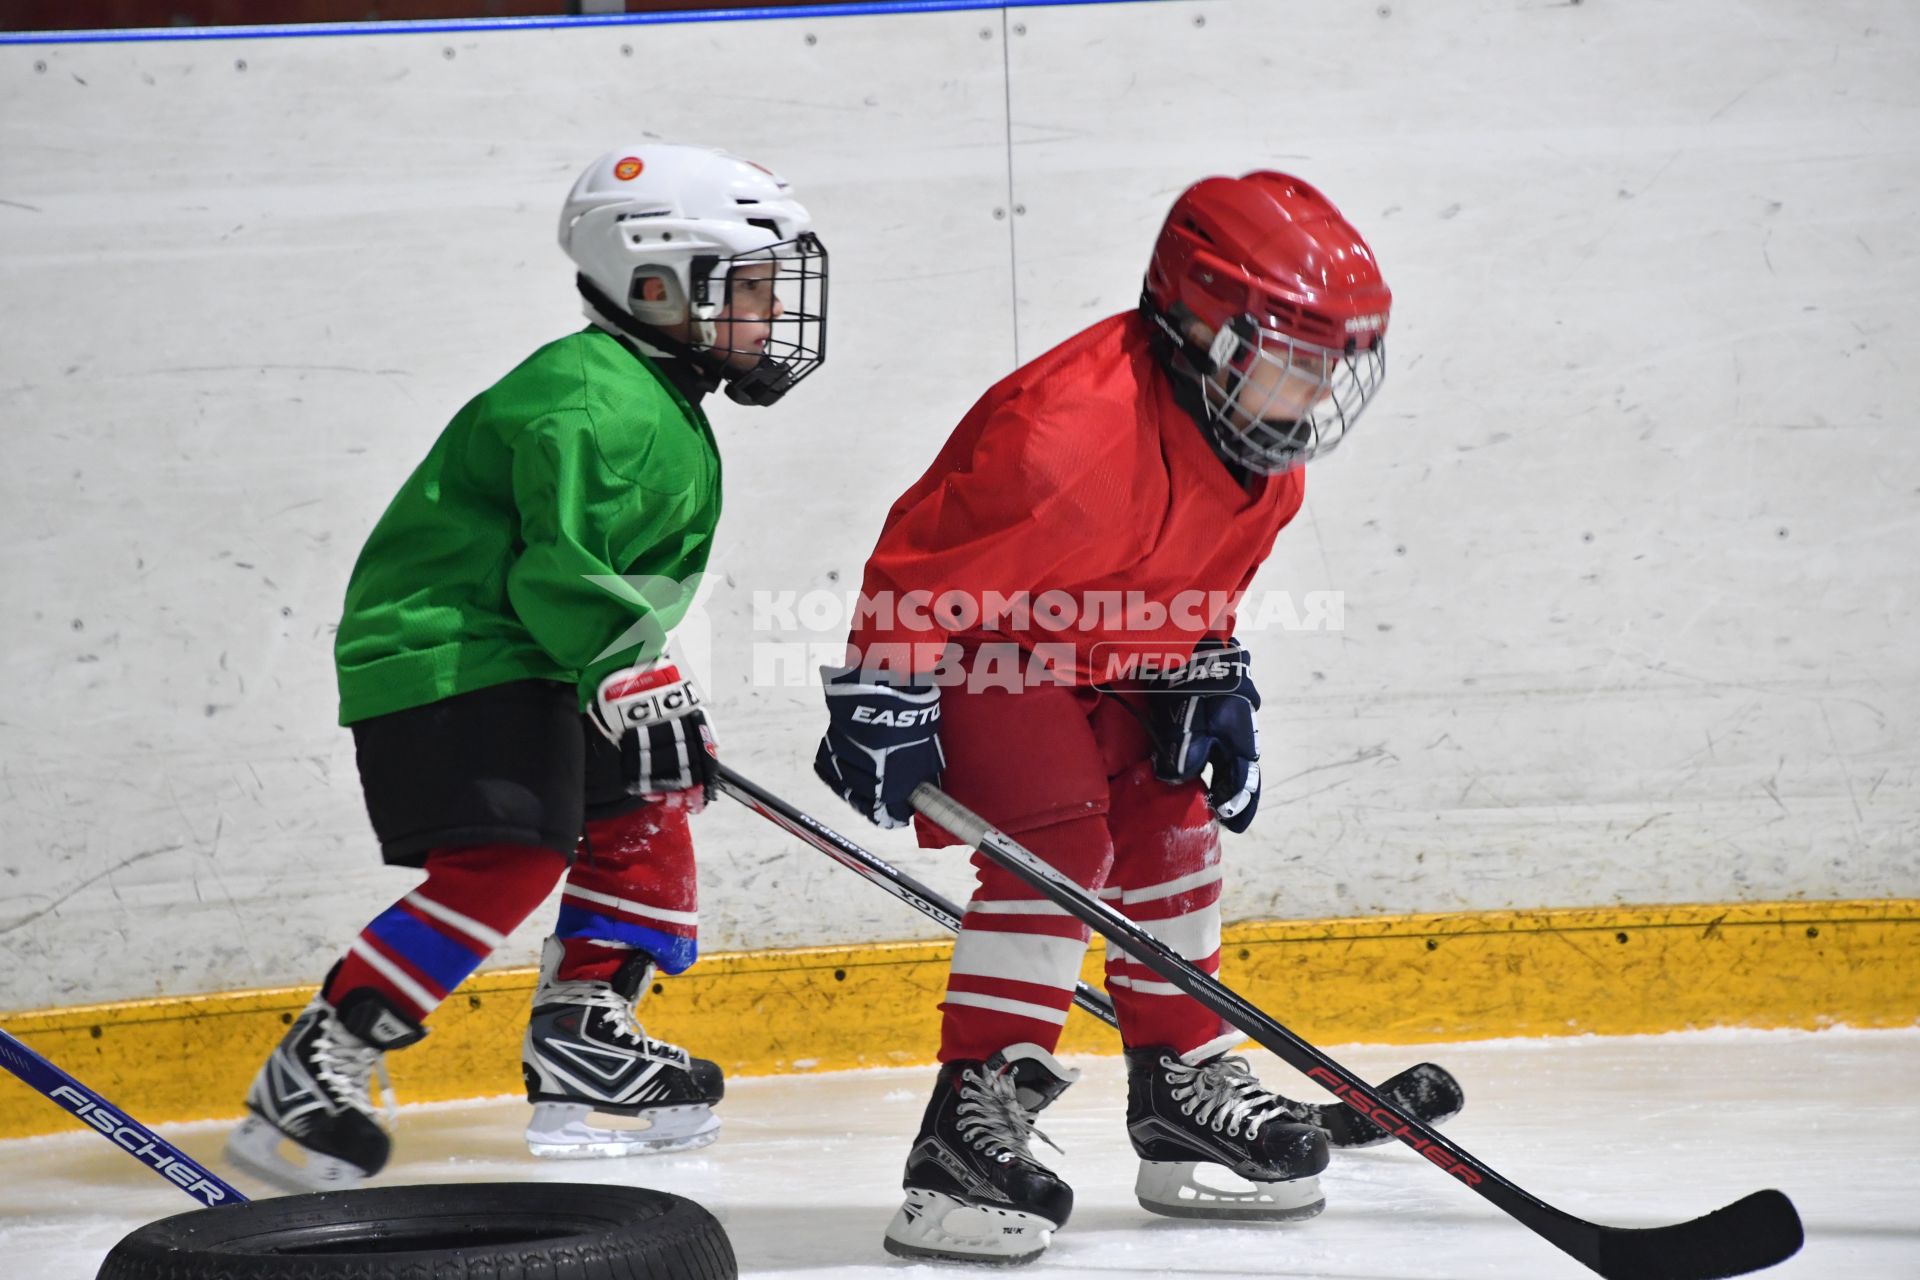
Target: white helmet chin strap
1226	345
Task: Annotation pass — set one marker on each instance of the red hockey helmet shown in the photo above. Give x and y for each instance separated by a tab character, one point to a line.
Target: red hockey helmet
1295	305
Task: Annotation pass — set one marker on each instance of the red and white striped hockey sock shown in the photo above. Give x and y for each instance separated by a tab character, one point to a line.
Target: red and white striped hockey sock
1184	913
423	946
1018	956
1166	878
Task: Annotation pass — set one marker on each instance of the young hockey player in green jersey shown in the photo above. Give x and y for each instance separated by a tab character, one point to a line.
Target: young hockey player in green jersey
502	666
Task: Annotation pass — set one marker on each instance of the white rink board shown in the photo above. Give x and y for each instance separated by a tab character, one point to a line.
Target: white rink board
1625	547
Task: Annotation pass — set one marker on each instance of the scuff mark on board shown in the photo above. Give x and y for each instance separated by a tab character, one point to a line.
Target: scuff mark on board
121	865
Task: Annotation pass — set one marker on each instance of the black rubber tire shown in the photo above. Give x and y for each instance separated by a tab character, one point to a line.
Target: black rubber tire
443	1231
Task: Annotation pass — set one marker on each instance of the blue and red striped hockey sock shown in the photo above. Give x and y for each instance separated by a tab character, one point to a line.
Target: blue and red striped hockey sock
423	946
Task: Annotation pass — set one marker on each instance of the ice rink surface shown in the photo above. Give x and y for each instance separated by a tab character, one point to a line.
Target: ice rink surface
1631	1131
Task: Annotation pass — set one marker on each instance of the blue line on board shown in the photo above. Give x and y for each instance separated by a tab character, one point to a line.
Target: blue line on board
465	25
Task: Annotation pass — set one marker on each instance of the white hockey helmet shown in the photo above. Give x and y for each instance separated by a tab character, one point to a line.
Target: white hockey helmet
688	216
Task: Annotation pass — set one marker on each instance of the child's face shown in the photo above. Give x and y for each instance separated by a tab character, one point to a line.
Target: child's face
741	329
1285	390
1280	386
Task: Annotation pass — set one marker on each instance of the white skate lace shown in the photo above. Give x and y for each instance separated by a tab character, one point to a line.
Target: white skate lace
990	1115
345	1067
1224	1095
624	1022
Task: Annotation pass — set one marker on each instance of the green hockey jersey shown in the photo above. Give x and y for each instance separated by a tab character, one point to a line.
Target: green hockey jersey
556	531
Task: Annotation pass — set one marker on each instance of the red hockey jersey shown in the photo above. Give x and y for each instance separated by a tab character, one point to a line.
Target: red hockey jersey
1080	486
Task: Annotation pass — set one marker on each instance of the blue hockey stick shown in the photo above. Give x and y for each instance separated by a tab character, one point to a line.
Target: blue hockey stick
116	1127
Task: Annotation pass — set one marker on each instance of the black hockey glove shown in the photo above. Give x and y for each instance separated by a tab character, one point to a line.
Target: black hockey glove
1202	715
882	741
652	713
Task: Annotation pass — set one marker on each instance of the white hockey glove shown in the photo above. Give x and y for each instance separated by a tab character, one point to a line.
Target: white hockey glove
653	714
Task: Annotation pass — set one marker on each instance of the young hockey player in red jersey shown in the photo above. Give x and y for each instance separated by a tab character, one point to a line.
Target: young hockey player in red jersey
1047	631
501	663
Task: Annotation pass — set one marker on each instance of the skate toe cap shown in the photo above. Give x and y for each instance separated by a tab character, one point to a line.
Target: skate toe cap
1043	1194
707	1078
1300	1149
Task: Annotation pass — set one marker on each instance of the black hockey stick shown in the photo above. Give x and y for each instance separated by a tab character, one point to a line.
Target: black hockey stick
115	1125
1424	1090
1747	1235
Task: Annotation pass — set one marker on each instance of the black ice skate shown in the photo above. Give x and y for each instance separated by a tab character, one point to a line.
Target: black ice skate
974	1191
315	1125
586	1052
1213	1143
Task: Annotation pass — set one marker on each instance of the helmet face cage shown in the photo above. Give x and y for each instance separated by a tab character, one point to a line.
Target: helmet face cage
1275	401
795	340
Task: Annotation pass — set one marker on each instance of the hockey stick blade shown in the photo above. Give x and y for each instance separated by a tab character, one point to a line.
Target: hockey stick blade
1748	1235
1426	1091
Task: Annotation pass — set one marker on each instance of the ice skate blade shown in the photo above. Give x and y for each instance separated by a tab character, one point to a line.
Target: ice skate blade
560	1131
932	1225
257	1148
1189	1189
